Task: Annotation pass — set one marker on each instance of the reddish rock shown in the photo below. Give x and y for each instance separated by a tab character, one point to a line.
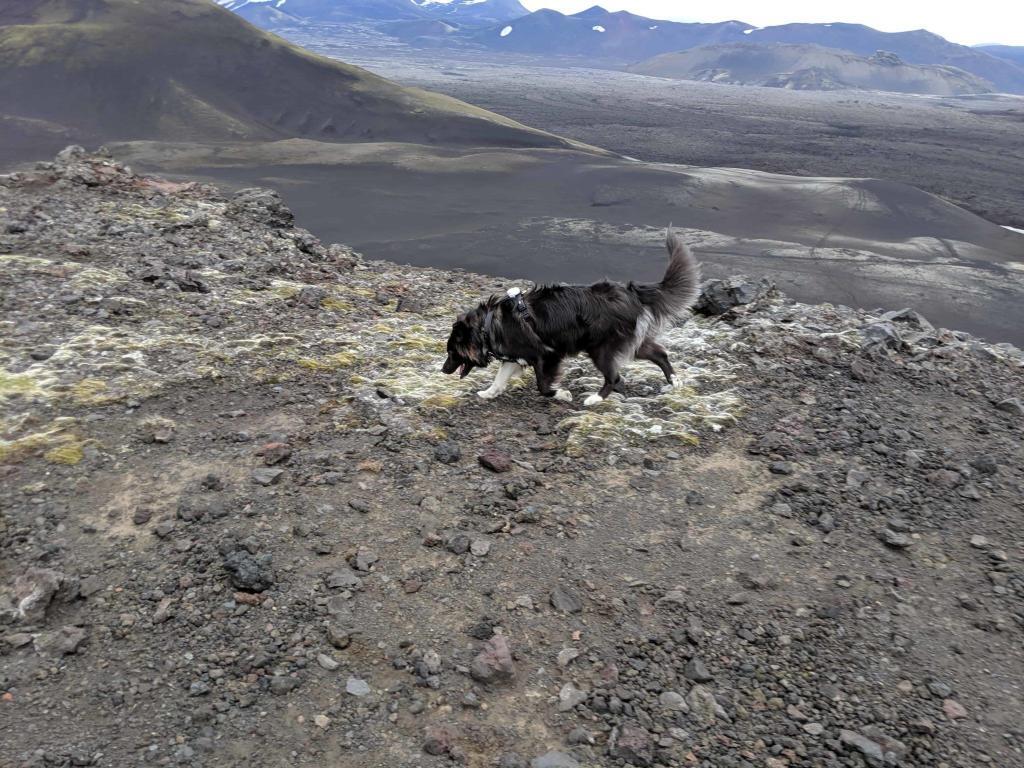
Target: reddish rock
634	745
496	461
275	453
494	663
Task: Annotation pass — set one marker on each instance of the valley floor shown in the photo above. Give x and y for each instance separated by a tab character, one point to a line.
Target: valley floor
966	149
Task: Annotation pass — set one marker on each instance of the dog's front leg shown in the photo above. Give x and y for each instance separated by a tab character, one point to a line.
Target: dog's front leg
506	373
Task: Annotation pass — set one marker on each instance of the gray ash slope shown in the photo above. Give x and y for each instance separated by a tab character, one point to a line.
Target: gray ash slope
252	525
188	70
810	67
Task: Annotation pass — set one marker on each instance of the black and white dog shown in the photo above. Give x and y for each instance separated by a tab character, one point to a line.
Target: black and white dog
610	322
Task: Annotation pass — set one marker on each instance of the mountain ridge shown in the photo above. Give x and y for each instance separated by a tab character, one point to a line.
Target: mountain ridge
188	69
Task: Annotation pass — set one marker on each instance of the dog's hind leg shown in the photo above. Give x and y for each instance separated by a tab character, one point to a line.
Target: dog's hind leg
608	366
506	373
657	354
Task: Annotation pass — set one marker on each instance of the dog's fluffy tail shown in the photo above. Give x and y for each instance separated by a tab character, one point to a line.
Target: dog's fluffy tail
680	287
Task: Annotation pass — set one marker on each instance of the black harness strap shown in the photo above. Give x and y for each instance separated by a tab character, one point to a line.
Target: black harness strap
522	311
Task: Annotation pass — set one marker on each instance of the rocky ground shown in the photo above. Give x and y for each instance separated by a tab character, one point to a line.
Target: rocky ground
247	522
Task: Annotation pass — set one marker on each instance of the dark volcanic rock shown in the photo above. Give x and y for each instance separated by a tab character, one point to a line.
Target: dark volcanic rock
248	572
719	296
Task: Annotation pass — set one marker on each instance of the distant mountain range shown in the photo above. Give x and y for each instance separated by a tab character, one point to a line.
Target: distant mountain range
1014	53
285	11
626	38
809	67
187	70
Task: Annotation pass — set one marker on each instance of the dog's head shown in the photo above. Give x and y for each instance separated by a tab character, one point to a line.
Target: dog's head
466	343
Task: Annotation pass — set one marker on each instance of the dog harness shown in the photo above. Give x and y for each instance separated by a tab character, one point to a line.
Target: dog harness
522	312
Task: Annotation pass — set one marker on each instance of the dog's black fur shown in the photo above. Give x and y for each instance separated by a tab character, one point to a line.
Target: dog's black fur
610	322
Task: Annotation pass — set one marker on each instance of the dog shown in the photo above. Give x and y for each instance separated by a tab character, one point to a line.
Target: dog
610	322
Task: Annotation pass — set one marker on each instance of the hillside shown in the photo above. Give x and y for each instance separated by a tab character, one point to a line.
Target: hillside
189	70
809	67
1014	53
915	47
249	523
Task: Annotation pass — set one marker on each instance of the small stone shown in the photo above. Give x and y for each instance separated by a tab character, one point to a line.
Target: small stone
1011	405
281	685
496	461
553	760
632	744
940	689
163	611
696	670
579	736
494	663
339	637
953	709
512	760
447	453
33	592
322	721
815	729
249	573
275	453
343	579
266	476
563	600
458	544
703	705
566	656
673	702
895	540
357	687
978	541
142	515
569	696
480	547
60	642
781	468
327	662
862	744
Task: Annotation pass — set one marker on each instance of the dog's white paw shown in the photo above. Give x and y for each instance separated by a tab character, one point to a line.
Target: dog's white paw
671	385
593	399
564	395
486	394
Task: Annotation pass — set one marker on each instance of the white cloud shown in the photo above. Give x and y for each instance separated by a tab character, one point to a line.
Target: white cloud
981	21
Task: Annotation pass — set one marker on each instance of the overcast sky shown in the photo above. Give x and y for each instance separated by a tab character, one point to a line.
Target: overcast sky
971	23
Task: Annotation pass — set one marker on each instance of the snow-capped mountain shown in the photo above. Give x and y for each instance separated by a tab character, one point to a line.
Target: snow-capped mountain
463	11
599	33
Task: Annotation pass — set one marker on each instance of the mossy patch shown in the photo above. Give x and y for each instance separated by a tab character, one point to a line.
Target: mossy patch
13	384
92	392
334	304
328	363
70	453
57	441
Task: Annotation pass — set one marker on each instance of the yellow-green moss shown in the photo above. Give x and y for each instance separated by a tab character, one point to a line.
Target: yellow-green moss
16	384
336	305
334	362
69	453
